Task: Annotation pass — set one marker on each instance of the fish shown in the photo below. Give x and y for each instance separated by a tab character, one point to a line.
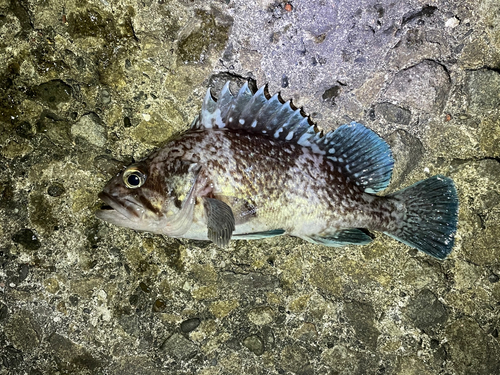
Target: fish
254	166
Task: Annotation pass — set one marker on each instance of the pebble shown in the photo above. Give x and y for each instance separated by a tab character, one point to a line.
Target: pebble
452	22
27	238
190	325
254	344
90	129
56	190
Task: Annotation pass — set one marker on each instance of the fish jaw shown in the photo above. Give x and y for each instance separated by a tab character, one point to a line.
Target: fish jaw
123	212
130	214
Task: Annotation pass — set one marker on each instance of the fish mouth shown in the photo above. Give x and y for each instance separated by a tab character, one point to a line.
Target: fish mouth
114	210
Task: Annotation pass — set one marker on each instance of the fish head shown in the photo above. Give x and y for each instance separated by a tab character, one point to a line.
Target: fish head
148	197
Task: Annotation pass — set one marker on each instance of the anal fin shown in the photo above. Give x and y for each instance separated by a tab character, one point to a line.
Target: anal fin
220	221
259	235
344	237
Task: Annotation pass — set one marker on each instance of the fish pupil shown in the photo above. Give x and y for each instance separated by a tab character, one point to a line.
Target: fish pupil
133	180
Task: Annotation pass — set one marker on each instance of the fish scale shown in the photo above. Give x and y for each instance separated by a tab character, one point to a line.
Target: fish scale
253	166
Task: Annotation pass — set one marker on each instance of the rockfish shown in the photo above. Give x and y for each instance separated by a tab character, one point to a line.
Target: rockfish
252	166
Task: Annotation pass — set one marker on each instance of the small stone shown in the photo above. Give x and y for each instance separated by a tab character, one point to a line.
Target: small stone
254	344
23	272
56	129
56	190
73	300
190	325
284	81
4	312
27	238
489	131
331	94
307	332
393	113
159	305
342	360
25	130
426	311
299	304
489	199
208	36
493	278
261	315
157	128
179	347
126	122
105	97
90	128
483	248
16	147
51	285
108	165
452	22
144	287
41	213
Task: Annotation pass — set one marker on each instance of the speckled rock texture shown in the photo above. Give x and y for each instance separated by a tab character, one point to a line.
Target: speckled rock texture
88	87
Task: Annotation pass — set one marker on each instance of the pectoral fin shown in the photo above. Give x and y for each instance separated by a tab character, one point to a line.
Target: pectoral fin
220	221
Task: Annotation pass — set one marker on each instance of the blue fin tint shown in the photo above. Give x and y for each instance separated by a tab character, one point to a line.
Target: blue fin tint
259	235
431	218
344	237
363	156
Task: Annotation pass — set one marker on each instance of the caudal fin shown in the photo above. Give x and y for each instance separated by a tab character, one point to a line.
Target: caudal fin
430	219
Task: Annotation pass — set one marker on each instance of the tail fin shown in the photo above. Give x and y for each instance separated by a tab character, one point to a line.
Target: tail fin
430	221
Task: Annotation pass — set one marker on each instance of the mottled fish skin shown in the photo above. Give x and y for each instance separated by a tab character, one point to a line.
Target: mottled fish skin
252	167
274	184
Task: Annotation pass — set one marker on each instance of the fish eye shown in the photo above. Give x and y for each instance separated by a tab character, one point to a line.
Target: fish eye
134	178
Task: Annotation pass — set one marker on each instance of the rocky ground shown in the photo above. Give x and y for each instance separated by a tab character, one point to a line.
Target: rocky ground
87	87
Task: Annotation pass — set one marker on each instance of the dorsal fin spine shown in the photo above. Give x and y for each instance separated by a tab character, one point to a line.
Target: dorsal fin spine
255	105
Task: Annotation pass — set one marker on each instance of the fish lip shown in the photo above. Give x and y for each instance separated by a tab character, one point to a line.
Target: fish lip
125	211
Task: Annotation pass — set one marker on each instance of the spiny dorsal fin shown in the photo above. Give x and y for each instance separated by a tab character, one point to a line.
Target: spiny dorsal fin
363	155
254	113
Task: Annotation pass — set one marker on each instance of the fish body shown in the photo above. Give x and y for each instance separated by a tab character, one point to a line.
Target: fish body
251	166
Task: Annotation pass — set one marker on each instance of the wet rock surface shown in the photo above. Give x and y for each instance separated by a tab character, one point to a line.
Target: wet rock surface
86	88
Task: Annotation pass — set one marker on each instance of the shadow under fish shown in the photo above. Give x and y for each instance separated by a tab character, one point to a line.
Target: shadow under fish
251	167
